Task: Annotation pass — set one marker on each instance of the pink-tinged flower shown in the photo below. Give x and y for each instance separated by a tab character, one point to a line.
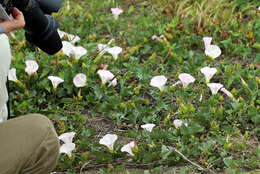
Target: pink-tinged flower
109	140
162	37
114	51
186	79
128	148
80	80
214	87
114	82
158	82
116	12
55	81
105	76
67	148
178	123
148	127
12	75
71	50
208	73
201	97
225	91
213	51
67	137
31	67
207	41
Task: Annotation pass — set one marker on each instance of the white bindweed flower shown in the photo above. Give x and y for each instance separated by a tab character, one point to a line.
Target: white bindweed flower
128	148
213	51
55	81
158	82
114	51
114	82
102	48
162	37
72	38
148	127
67	137
31	67
105	76
70	50
116	12
208	73
207	41
12	75
109	140
67	148
186	79
214	87
178	123
80	80
225	91
201	97
78	52
259	8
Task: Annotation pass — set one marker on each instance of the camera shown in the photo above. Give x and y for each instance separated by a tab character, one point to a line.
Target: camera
40	27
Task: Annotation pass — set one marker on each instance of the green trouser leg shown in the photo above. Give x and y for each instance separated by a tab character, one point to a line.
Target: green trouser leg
28	145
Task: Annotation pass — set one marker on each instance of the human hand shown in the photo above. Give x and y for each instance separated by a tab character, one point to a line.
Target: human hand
16	23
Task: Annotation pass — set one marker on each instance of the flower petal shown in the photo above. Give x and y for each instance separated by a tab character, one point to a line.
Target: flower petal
67	137
148	127
12	75
158	82
186	79
80	80
214	87
108	140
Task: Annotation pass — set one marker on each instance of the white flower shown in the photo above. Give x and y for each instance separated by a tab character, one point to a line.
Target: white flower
225	91
69	49
214	87
207	41
201	97
259	8
12	75
186	79
178	123
31	67
80	80
67	137
67	148
114	82
72	38
114	51
55	81
208	73
158	82
105	75
128	148
102	48
159	38
213	51
116	12
148	127
108	140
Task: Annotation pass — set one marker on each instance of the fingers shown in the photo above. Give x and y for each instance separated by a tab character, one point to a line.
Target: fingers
17	22
18	17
